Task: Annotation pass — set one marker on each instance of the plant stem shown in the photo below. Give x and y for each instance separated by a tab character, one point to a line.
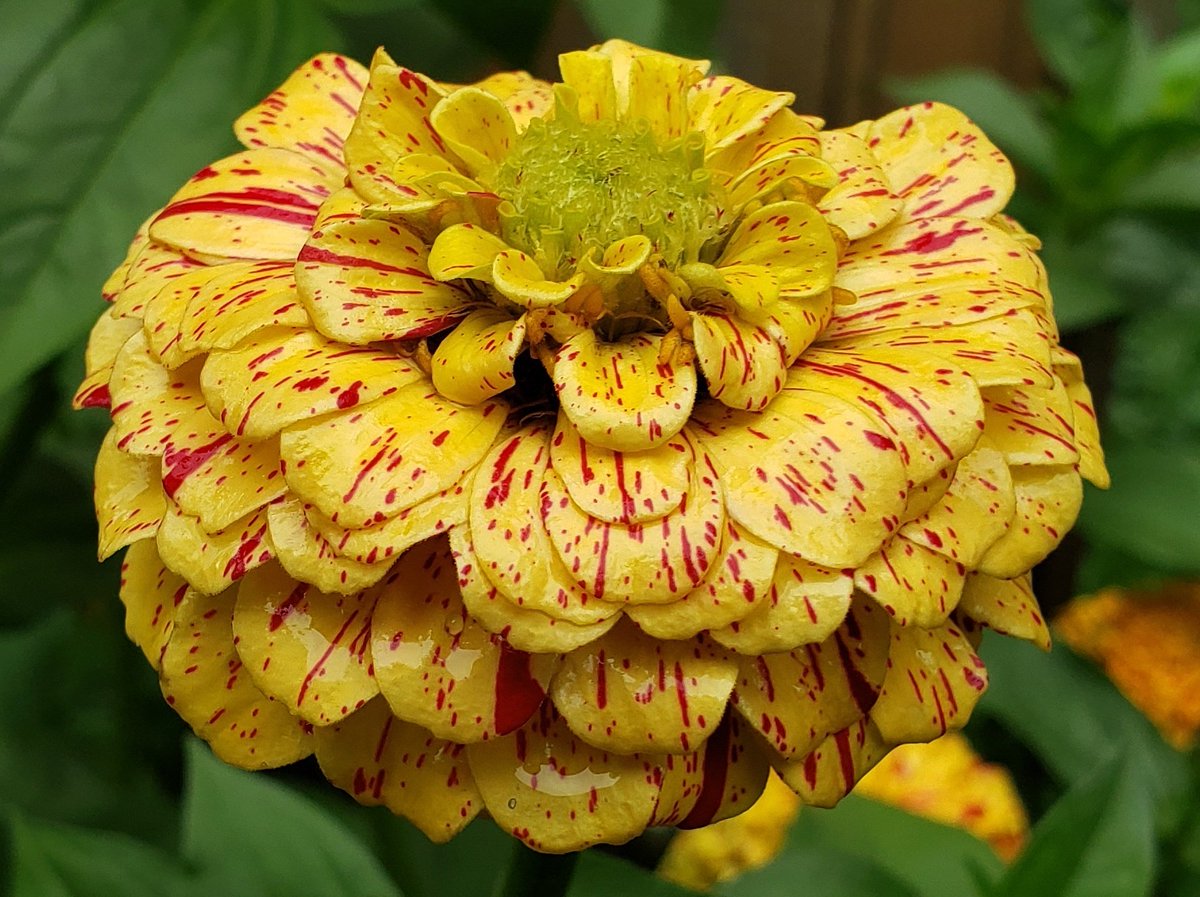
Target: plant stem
532	873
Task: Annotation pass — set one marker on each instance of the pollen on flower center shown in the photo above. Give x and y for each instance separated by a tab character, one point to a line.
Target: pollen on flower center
579	186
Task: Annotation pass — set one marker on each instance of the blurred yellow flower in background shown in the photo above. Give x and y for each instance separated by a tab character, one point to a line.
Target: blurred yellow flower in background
579	453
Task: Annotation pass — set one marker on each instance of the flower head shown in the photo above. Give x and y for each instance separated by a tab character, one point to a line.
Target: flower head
576	453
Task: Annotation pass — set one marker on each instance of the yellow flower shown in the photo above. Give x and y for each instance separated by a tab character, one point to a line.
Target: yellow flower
946	781
578	453
1149	645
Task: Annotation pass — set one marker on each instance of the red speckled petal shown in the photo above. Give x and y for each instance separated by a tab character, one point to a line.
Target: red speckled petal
108	335
798	699
934	679
524	629
794	323
1083	418
804	605
380	760
618	395
362	466
940	162
1031	425
556	793
367	279
150	593
833	768
917	586
790	238
311	112
152	268
651	563
306	649
525	97
782	136
621	487
437	667
745	368
809	475
731	777
475	361
658	93
149	402
392	121
203	678
1048	501
241	299
477	127
513	549
164	313
766	180
629	692
740	578
862	200
1006	605
257	204
279	377
211	562
590	74
129	498
305	554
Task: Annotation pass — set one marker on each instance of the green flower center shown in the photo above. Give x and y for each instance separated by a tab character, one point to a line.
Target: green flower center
576	187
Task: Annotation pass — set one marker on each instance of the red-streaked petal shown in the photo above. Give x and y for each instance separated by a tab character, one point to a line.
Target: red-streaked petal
862	200
1007	606
475	360
239	300
149	402
1048	501
745	368
917	586
129	498
150	593
211	562
304	553
832	768
1031	425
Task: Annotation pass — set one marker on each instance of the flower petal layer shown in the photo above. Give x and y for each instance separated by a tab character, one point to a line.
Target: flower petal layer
1007	606
833	768
304	552
862	200
1048	501
129	498
475	361
914	584
150	593
240	299
211	562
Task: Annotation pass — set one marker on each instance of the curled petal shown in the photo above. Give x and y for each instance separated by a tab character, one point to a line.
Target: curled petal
362	466
726	109
239	300
519	279
380	760
366	279
762	181
1007	606
204	679
804	605
832	768
1048	501
629	692
465	250
790	238
917	586
658	93
304	648
1031	425
108	335
784	135
475	361
129	498
733	774
557	793
934	679
437	667
150	593
164	313
525	97
304	553
794	322
618	395
745	368
211	562
149	402
477	127
590	74
862	200
1083	419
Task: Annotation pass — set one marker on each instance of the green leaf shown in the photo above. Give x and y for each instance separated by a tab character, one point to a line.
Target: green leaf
105	109
1097	841
1077	37
601	875
1008	117
251	836
64	861
1173	184
686	27
1083	295
512	30
823	870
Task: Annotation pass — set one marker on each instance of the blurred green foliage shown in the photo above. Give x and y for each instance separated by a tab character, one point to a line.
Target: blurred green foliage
107	105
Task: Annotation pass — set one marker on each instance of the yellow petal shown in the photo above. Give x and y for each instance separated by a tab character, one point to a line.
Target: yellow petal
726	109
783	136
917	586
629	692
809	475
934	679
732	775
525	97
392	122
940	163
311	112
658	93
624	56
240	300
519	278
618	395
557	794
107	336
524	629
304	552
1048	501
621	487
163	315
765	180
378	759
804	605
1085	425
280	376
257	204
465	250
743	366
211	562
739	579
477	127
150	593
651	563
365	279
1006	605
833	768
590	74
796	700
437	667
362	466
790	238
510	539
862	201
475	361
794	322
306	649
204	680
1031	425
152	267
129	498
149	402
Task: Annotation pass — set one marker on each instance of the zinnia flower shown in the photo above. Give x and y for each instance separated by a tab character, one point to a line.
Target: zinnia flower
576	453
